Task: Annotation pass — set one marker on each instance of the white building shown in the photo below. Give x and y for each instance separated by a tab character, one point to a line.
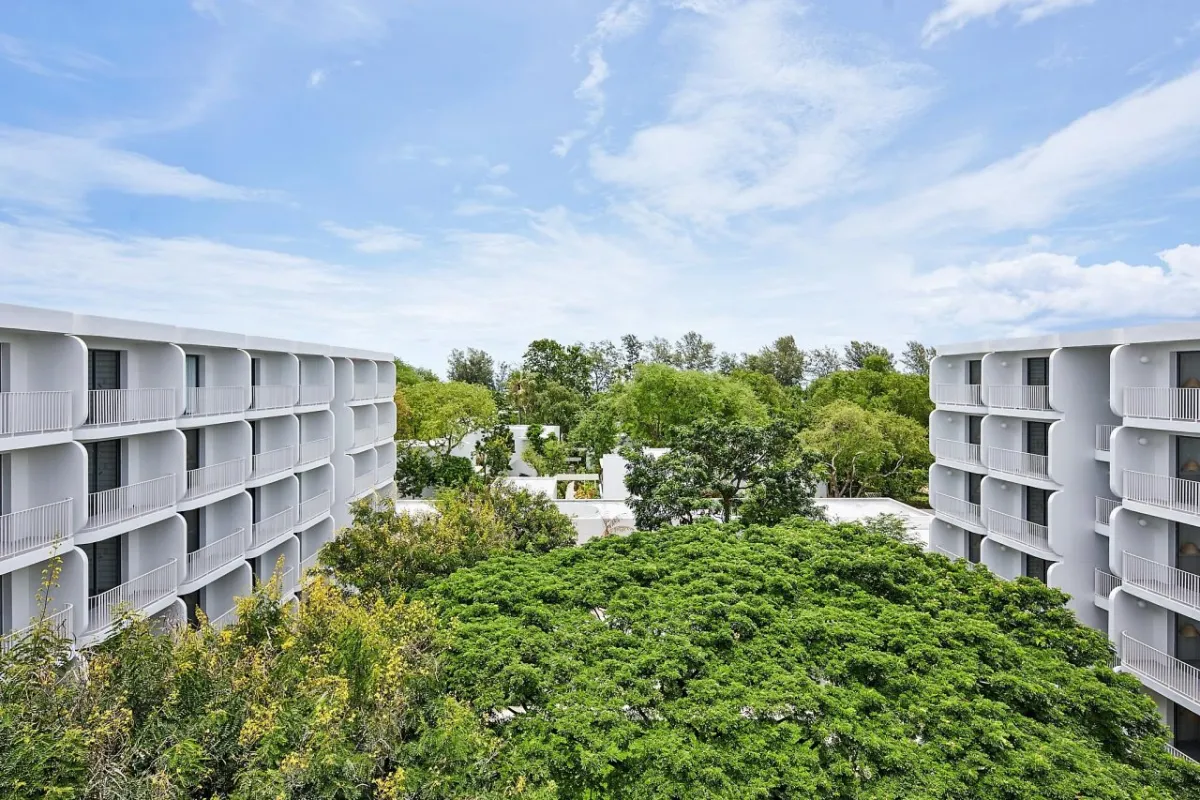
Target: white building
171	468
1075	459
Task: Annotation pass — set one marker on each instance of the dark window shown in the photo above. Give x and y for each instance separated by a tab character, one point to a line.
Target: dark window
5	367
1037	372
255	437
974	547
1037	438
5	469
974	430
192	521
104	369
975	372
193	444
1187	370
255	503
256	372
1187	457
192	603
104	465
974	488
104	565
1036	568
194	372
1187	731
1036	501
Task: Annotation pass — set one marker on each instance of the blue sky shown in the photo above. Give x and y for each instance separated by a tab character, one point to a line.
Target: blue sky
414	175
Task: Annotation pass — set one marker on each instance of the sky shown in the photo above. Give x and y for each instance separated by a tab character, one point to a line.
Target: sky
419	175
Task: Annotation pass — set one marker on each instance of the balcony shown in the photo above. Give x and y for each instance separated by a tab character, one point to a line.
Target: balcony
1105	506
312	452
1019	533
212	557
214	401
364	483
138	594
315	395
384	474
943	551
1162	403
1021	464
1167	583
129	406
216	478
383	433
125	503
1019	398
225	620
289	582
26	413
35	528
61	624
1104	584
1175	751
1104	437
313	508
1163	491
364	437
957	452
272	462
273	528
364	391
957	509
272	397
958	394
1163	673
385	391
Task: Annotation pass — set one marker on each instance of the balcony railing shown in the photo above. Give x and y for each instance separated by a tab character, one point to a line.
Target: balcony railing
61	624
35	528
268	397
1169	582
289	582
273	527
129	406
1175	751
1104	583
1015	529
215	478
212	557
364	483
364	391
384	474
34	412
1161	402
1016	462
364	437
958	394
1104	437
272	462
311	452
136	595
956	508
315	395
961	452
383	433
385	391
950	554
1104	508
211	401
130	502
1020	398
314	507
1163	491
1154	665
225	620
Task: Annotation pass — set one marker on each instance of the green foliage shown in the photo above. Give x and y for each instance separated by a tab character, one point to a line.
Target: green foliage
916	357
782	360
856	353
661	398
545	452
442	414
802	661
494	451
473	366
598	430
877	388
868	452
568	366
414	471
408	375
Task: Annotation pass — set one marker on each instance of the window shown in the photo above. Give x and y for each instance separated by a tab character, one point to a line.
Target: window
192	602
1036	568
1187	370
256	372
1187	457
1036	504
974	430
1037	371
974	547
192	521
104	565
194	445
975	372
1037	438
974	488
5	368
103	464
5	478
104	369
255	504
195	372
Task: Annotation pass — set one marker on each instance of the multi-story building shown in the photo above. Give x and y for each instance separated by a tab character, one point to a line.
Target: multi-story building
1075	459
168	469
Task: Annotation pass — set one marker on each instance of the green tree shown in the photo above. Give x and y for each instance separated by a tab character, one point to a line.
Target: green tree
494	451
414	471
473	366
876	387
916	358
868	452
442	414
598	430
568	365
660	398
822	362
782	360
545	452
694	352
856	354
408	375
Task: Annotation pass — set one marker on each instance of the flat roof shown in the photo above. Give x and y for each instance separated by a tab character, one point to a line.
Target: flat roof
29	318
1104	337
856	509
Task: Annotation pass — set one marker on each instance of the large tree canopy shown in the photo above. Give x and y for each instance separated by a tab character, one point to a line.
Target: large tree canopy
868	452
876	387
660	398
442	414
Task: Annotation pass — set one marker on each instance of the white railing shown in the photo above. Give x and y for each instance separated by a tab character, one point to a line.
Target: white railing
384	474
289	582
130	502
364	391
950	554
274	527
314	507
310	562
385	391
1155	665
1104	583
1175	751
958	394
1020	397
266	397
225	620
126	406
34	412
272	462
1104	508
1169	582
1163	491
136	595
957	508
316	451
383	433
1104	437
315	395
1018	530
215	478
1161	402
962	452
61	624
1016	462
364	483
35	528
209	401
213	556
364	437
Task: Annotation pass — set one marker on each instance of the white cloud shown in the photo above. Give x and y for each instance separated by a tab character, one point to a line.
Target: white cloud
495	190
58	172
316	78
496	170
957	14
1041	184
53	62
766	118
375	239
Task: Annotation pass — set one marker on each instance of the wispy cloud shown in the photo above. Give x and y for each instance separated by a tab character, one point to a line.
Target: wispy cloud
495	190
49	62
957	14
375	239
316	78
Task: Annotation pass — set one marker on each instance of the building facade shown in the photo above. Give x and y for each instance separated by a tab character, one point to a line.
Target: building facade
1075	459
167	470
